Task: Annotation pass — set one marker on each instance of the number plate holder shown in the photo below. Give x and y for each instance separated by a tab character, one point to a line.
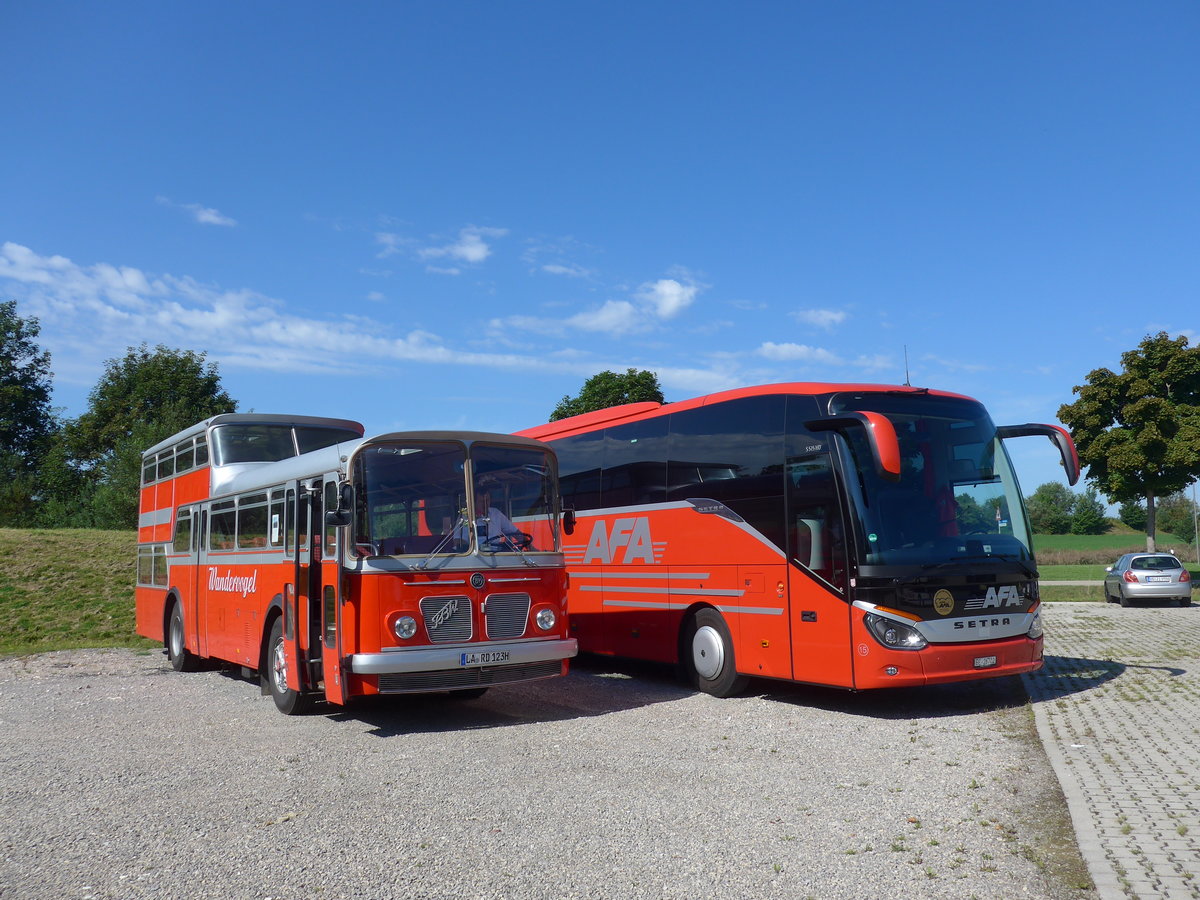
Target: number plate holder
986	662
483	658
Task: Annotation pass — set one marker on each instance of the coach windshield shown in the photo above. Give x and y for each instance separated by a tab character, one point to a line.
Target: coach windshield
957	501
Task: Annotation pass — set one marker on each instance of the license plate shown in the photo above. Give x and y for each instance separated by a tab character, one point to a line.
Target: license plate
985	662
484	658
1158	577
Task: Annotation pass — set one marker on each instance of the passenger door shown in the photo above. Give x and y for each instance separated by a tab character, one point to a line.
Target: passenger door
331	588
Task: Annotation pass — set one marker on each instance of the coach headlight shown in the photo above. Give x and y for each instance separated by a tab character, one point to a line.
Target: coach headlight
405	627
1035	627
894	635
545	618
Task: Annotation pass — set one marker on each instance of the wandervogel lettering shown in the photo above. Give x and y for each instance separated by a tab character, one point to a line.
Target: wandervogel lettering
232	584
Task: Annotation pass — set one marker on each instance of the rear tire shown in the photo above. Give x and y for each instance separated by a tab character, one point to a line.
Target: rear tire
182	659
287	701
1125	601
707	651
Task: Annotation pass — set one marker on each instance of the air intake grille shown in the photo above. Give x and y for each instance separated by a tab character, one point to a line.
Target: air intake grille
507	615
413	682
447	619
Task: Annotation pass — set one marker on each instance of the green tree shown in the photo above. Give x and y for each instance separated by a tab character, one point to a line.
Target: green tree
1177	514
140	399
1088	514
607	389
1050	508
1133	514
1138	431
27	422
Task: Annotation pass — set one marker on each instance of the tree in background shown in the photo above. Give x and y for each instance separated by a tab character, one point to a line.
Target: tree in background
1138	432
607	389
27	422
1088	514
1133	514
1177	515
1050	508
95	473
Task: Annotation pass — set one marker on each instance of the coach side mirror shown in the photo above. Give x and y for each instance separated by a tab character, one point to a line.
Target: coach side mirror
880	434
1059	437
568	521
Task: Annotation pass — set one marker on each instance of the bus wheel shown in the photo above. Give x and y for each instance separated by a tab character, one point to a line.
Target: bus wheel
182	659
287	701
708	655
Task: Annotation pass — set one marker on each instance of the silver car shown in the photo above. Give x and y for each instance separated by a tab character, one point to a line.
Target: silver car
1148	576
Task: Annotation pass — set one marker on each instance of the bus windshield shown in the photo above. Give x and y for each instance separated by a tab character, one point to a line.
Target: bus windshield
957	501
415	498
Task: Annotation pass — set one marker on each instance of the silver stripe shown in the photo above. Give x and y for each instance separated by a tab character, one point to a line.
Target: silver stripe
649	604
592	573
155	517
690	592
506	580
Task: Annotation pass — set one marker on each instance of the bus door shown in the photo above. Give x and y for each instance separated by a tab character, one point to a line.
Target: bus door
295	592
819	605
331	592
194	585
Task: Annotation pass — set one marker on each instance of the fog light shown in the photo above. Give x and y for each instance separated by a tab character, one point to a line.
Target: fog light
545	618
892	670
405	627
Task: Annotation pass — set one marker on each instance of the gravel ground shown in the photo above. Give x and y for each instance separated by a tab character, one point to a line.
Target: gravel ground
122	778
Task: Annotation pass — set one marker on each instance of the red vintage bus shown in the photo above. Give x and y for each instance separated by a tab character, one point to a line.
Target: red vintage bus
337	566
858	536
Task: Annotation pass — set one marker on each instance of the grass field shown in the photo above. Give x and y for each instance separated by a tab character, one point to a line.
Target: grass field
66	588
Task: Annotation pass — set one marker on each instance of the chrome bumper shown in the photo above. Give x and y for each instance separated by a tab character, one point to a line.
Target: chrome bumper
436	659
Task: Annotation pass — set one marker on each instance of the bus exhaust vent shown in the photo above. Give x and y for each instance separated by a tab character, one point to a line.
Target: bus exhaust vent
507	615
447	619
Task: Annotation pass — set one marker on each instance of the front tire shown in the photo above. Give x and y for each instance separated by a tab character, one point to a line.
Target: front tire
181	659
287	701
708	655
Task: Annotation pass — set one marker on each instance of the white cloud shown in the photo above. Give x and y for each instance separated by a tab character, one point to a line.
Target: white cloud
469	248
205	215
614	317
667	297
571	270
798	353
821	318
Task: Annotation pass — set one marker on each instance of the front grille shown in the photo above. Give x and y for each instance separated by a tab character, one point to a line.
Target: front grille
447	619
414	682
507	615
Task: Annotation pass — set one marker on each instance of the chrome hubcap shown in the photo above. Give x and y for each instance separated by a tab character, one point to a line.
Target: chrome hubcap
279	668
708	652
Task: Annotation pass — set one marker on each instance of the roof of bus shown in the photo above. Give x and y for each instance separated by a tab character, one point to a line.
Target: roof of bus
253	419
615	415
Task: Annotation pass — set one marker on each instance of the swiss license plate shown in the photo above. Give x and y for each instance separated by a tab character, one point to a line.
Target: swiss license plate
484	658
1158	577
985	662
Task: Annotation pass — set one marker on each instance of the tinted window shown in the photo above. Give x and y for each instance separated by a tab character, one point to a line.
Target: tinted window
579	461
1156	562
635	463
310	438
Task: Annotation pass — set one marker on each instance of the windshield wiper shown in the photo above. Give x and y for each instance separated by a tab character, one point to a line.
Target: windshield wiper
462	520
1007	557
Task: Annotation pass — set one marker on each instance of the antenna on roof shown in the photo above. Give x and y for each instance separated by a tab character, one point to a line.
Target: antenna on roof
907	380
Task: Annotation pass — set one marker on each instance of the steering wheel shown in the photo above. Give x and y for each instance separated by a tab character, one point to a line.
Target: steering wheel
520	540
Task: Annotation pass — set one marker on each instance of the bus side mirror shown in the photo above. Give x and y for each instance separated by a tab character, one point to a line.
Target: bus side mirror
880	435
568	521
1058	436
340	517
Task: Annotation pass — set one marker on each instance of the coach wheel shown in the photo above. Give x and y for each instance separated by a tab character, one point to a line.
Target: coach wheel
288	701
182	659
708	655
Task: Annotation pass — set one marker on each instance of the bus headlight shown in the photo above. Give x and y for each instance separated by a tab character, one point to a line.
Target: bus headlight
545	618
1035	629
894	635
405	627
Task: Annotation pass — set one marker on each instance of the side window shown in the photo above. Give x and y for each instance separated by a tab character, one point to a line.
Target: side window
185	456
222	525
275	524
201	451
166	463
149	470
183	531
635	463
252	522
579	461
329	545
145	565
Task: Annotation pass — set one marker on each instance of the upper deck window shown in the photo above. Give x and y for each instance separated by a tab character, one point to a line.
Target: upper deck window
271	443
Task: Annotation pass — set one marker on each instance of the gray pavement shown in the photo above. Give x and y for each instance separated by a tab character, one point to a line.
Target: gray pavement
1117	706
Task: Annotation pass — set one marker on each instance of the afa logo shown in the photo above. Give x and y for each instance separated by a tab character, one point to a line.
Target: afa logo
628	542
996	597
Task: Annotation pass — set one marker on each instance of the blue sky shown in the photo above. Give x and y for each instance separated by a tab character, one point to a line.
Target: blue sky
428	215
